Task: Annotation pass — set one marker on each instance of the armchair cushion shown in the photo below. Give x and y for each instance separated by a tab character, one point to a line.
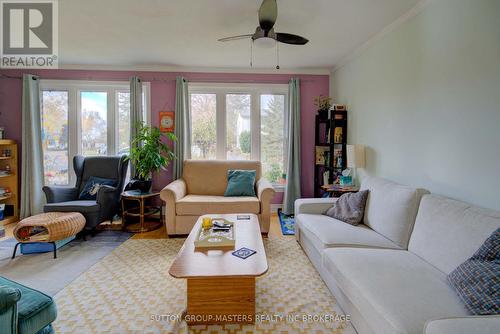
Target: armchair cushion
91	188
240	183
70	206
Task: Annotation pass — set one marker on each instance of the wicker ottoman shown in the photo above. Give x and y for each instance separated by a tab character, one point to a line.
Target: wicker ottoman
49	227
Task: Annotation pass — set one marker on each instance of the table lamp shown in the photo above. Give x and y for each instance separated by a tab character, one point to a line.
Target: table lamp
355	157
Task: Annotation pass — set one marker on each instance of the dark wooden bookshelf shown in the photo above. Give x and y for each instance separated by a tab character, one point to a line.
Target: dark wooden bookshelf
330	149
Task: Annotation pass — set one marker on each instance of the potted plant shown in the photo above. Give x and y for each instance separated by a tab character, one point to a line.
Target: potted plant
149	155
323	103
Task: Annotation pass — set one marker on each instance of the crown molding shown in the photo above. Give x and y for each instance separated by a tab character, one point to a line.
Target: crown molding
167	68
414	11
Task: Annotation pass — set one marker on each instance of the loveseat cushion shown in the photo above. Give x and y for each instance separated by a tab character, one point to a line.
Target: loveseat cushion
197	205
35	309
391	208
448	232
395	290
326	232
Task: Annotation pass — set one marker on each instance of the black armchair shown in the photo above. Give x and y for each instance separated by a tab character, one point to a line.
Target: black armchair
107	203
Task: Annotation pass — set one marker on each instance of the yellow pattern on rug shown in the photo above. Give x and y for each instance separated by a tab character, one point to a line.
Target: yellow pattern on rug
130	291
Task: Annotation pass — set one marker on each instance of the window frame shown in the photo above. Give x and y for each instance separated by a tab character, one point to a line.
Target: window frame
74	89
255	91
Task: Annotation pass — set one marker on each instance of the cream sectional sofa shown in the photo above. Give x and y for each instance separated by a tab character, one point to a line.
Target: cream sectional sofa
389	273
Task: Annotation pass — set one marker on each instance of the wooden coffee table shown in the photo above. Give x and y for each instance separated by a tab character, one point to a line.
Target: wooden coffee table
221	286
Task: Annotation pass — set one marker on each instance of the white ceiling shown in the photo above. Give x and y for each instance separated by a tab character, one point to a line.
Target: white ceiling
184	33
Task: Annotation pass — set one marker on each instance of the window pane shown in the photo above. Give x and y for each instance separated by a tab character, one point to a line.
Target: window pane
94	123
55	137
272	116
123	102
239	139
203	126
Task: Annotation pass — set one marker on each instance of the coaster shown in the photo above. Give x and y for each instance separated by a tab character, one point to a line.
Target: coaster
243	253
243	217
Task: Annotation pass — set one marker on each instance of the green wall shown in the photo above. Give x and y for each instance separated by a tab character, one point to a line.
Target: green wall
425	99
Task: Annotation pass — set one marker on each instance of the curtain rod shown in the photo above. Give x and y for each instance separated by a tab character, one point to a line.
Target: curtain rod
269	81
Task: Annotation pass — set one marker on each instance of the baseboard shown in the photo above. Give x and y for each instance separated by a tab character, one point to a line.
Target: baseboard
275	207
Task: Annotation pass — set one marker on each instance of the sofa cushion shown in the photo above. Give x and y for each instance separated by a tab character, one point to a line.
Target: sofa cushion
391	208
204	177
467	325
197	205
240	183
349	208
477	280
395	290
448	232
35	309
326	232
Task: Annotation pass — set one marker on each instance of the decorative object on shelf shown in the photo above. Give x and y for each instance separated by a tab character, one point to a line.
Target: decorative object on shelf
355	158
2	132
167	121
346	177
323	103
149	155
330	136
220	235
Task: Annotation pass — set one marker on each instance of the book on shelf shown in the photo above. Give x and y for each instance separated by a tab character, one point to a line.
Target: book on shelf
337	135
322	155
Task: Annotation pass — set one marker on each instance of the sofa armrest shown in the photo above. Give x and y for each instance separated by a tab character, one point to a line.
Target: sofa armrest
8	297
174	191
265	190
60	194
313	205
483	324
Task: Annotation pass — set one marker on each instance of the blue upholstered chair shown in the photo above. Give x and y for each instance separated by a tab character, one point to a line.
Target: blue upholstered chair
24	310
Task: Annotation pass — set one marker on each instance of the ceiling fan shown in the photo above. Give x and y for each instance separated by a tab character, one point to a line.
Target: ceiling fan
268	12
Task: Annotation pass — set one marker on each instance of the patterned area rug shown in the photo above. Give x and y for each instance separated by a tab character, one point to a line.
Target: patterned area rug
130	291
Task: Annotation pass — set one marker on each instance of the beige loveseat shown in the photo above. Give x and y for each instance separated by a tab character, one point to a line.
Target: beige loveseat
201	191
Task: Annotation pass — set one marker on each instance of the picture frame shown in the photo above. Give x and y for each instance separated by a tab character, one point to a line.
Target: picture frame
167	121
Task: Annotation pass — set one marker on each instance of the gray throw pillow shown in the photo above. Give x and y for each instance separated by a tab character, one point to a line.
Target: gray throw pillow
349	208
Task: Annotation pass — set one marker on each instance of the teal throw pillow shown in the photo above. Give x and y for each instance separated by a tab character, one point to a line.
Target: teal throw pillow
240	183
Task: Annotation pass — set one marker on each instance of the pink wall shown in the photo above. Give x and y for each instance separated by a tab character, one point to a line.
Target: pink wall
163	98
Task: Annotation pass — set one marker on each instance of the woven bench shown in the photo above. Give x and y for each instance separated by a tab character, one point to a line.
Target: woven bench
49	227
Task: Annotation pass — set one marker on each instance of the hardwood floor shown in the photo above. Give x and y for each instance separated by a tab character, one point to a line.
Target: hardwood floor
274	230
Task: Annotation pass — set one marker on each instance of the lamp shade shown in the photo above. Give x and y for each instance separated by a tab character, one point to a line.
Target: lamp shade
355	156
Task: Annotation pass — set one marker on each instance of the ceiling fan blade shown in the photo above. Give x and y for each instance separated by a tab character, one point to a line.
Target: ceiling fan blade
291	38
268	12
233	38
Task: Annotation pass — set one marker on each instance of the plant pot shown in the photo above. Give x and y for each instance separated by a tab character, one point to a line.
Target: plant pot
323	114
144	186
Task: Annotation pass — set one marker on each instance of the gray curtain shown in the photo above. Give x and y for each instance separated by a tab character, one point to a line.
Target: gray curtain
292	188
32	179
135	112
182	148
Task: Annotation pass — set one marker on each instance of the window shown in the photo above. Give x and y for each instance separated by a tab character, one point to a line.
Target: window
242	122
83	117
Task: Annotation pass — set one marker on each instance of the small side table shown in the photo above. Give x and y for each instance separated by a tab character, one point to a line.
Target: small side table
336	190
142	211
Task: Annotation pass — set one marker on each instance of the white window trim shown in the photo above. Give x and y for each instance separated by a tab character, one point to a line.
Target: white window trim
74	88
255	90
